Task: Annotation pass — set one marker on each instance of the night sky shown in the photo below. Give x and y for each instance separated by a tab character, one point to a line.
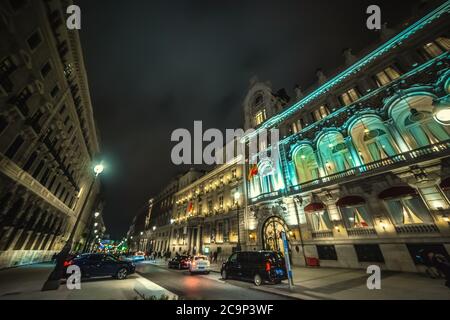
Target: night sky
155	66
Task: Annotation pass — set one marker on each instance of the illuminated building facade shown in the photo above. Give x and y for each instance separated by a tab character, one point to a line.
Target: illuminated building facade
48	138
363	173
206	212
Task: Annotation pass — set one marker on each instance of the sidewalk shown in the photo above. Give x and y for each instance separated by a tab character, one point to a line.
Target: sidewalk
24	283
350	284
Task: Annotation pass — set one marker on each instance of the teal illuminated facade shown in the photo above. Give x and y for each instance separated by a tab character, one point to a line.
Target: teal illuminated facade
363	174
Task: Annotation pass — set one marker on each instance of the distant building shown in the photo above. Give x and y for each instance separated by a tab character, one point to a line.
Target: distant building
205	212
48	137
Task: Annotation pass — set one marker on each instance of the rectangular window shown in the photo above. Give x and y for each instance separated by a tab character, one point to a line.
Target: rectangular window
260	117
46	69
349	97
386	76
221	202
21	100
30	161
14	147
63	108
417	251
38	169
35	40
7	66
369	253
327	252
17	4
432	50
3	124
54	91
444	43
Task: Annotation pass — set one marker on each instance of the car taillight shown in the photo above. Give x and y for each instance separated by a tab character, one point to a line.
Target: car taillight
268	266
67	263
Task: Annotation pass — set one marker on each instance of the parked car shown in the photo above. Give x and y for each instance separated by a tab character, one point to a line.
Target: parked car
179	262
257	266
199	264
101	265
139	256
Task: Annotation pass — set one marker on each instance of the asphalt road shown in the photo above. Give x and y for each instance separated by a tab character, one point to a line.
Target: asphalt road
202	287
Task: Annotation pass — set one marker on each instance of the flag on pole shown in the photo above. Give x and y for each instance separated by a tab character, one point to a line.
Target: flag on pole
253	171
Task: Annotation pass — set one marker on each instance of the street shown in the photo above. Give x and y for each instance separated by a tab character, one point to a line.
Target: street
200	287
25	282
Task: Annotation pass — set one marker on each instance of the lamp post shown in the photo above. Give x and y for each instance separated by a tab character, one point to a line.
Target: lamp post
88	244
237	196
54	278
299	200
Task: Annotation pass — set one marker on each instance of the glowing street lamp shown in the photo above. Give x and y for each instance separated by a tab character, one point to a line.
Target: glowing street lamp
95	224
98	169
55	276
96	214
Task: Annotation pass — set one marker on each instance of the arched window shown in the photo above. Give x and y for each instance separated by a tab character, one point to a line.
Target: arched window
355	213
405	206
372	139
305	162
318	216
334	154
414	119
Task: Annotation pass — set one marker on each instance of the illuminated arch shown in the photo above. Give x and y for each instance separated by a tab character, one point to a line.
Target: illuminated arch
334	153
305	162
371	138
413	118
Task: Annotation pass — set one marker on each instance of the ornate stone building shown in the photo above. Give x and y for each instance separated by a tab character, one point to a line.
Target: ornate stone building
206	212
48	138
363	173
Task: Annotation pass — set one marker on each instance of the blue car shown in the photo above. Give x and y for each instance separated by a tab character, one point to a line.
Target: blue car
101	265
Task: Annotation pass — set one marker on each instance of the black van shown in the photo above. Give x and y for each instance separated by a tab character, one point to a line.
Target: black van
258	266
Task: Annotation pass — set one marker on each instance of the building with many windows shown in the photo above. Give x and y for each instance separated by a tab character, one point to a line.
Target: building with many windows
363	166
48	137
208	213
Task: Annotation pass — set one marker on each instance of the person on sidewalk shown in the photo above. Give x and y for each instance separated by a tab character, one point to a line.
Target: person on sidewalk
441	263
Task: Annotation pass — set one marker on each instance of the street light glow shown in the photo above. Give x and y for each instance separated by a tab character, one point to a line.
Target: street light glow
95	224
96	214
154	228
98	169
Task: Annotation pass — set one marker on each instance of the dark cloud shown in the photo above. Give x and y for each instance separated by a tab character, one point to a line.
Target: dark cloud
155	66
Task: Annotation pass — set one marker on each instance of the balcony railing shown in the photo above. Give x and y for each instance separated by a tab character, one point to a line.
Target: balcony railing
322	234
356	232
266	196
417	228
437	150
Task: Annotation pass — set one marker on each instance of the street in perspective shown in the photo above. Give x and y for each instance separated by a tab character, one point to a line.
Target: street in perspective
252	152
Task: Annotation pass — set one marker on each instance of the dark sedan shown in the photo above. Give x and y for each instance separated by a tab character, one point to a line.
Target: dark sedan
102	265
179	262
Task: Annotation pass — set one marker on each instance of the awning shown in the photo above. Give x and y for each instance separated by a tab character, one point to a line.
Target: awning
445	184
350	201
397	192
314	207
